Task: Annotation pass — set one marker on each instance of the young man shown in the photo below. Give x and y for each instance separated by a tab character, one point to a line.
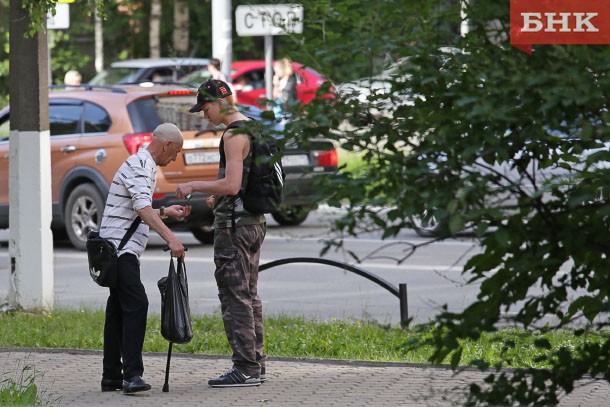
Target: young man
238	237
130	196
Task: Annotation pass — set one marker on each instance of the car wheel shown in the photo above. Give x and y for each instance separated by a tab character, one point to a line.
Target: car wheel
426	225
59	234
83	213
291	216
204	234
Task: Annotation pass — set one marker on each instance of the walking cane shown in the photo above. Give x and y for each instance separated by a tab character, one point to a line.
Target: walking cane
169	358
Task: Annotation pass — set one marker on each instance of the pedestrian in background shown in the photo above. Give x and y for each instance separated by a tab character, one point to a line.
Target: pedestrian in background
130	196
214	69
72	78
284	86
238	237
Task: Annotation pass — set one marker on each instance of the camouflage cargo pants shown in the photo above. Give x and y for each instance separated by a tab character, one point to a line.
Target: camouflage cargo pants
236	255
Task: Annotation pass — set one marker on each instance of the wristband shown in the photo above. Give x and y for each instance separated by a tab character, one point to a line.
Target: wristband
162	213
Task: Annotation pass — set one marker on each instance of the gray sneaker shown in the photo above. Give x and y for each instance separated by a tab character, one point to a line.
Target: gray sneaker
263	377
234	378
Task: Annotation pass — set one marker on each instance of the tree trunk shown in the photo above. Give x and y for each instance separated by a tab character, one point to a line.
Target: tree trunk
181	28
99	43
155	29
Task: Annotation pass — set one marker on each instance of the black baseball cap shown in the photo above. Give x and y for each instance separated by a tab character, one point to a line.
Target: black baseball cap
210	91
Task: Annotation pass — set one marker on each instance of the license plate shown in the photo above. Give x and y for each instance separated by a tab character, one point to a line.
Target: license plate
295	160
208	157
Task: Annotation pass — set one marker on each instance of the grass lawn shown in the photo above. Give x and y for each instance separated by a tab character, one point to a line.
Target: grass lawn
284	336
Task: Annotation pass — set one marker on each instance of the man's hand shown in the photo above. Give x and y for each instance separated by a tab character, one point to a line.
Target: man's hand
210	201
176	248
183	190
178	211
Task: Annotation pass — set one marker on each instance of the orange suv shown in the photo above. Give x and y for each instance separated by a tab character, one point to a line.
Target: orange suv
95	128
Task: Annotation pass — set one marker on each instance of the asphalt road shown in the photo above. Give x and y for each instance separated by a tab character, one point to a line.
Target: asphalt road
432	274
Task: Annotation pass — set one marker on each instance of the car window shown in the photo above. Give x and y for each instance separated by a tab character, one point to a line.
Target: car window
113	76
118	75
196	78
144	115
175	109
65	119
184	70
254	79
160	75
96	119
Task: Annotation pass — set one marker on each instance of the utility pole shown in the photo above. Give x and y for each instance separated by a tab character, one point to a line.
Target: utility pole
222	31
30	237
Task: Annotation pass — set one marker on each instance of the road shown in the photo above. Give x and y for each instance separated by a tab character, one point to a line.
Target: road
432	274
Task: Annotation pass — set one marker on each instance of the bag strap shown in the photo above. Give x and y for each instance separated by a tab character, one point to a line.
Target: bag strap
236	124
130	232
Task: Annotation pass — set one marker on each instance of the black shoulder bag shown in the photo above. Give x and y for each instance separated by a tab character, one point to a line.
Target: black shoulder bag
103	256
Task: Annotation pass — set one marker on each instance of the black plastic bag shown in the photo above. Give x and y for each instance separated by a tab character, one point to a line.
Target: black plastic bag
176	324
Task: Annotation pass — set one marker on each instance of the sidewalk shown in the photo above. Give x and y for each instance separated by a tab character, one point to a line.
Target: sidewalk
72	378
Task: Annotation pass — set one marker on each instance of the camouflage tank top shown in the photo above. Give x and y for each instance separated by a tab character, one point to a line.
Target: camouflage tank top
227	207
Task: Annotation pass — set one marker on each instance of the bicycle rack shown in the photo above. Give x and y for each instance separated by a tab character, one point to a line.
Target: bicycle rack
400	292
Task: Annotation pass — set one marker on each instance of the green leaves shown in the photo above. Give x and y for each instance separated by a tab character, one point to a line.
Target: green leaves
488	139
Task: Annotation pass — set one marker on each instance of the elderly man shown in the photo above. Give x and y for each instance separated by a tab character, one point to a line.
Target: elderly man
130	197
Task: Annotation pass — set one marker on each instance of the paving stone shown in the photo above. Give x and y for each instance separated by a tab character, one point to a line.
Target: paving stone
72	378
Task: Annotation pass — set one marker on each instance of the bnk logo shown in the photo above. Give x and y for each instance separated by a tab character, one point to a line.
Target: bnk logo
559	22
562	22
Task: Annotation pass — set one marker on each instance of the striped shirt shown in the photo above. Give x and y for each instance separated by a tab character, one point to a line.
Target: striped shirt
131	189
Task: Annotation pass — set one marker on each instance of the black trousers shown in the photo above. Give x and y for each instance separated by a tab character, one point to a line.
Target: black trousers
125	325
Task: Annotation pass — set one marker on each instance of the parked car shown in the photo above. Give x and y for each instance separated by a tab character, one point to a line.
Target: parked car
379	93
148	70
95	128
248	80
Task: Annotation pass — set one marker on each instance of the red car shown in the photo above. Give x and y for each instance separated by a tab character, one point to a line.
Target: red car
248	79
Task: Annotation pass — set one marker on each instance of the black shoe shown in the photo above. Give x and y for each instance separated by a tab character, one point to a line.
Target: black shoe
112	384
263	377
134	385
234	378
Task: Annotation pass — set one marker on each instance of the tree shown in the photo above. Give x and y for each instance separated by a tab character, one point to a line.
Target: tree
155	29
483	135
181	28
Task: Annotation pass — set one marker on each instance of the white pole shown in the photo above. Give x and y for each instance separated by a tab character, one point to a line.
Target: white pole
31	240
222	29
269	65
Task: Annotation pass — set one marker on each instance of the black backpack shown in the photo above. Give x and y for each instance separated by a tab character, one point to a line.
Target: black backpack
263	191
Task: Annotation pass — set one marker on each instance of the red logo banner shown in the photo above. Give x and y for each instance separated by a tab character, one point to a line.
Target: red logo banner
559	22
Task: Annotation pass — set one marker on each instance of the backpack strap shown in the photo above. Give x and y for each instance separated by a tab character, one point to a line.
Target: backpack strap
244	180
130	232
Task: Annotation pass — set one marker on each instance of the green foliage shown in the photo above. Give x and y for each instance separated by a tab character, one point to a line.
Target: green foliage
20	389
484	135
367	35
